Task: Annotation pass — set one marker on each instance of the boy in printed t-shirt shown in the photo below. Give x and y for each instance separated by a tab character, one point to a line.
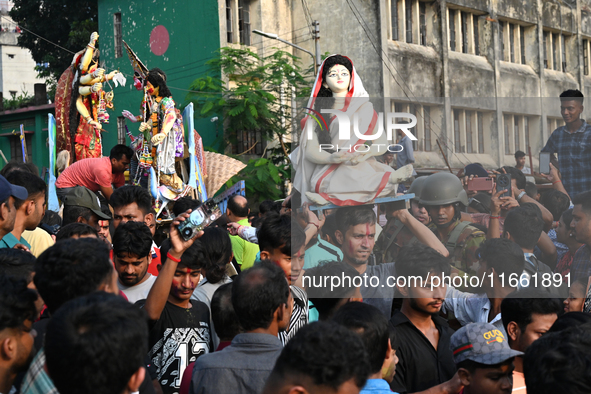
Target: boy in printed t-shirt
179	327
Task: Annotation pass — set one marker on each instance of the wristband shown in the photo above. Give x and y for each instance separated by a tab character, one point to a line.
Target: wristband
555	182
173	258
520	195
555	224
494	217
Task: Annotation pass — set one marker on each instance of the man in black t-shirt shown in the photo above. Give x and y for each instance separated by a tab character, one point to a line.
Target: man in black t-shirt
423	348
179	327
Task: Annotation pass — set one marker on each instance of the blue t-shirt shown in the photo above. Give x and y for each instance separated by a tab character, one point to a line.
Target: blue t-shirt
376	386
9	240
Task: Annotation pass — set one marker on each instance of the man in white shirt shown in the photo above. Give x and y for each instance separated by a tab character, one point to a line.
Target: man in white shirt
132	243
500	266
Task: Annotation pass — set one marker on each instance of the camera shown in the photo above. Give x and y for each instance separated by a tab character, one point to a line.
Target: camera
200	218
504	182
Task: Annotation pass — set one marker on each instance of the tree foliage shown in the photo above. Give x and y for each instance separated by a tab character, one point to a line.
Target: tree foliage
67	23
253	94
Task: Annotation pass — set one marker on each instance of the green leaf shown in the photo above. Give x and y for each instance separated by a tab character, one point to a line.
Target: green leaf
207	107
261	162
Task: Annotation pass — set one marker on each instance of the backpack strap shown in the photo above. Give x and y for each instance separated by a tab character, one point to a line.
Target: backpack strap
452	241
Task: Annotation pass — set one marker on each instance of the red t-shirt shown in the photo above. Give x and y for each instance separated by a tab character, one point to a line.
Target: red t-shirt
91	173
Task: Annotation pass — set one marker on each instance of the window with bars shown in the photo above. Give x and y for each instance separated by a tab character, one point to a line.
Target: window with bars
526	131
512	43
469	132
480	120
452	30
522	43
394	18
427	127
423	22
546	64
16	150
117	34
465	32
516	133
555	52
502	39
408	21
248	142
563	42
585	57
121	132
475	22
507	140
457	137
244	21
229	24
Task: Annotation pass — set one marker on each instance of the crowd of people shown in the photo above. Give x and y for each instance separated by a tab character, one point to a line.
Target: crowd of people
463	291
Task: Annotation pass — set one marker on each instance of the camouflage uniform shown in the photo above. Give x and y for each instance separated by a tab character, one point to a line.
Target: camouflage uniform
463	256
386	249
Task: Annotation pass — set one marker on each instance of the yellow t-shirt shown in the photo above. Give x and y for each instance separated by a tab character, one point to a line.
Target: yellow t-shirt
39	240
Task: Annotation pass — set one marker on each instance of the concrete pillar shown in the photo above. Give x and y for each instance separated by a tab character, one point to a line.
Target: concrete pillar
40	94
446	89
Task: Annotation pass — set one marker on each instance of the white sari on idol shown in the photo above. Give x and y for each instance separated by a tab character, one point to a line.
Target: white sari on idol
347	183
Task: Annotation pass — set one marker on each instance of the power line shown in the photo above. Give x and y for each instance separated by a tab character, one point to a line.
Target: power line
416	101
37	35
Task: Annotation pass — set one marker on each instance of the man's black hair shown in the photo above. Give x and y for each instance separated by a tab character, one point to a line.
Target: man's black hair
531	190
183	204
515	174
14	166
480	202
280	232
224	318
330	226
583	199
525	224
572	94
420	260
504	255
129	194
192	258
217	252
369	322
94	344
73	212
268	206
75	229
133	238
17	303
522	304
17	263
257	293
559	362
35	186
325	354
349	217
240	210
556	202
118	151
519	154
325	297
472	366
52	218
570	319
72	268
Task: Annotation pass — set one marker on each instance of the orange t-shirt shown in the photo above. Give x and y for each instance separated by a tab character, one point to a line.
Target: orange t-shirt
518	383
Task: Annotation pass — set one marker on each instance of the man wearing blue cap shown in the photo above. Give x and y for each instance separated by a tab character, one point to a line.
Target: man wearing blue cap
8	194
484	359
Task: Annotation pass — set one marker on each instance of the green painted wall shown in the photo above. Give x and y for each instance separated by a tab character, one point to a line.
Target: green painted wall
193	28
34	119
